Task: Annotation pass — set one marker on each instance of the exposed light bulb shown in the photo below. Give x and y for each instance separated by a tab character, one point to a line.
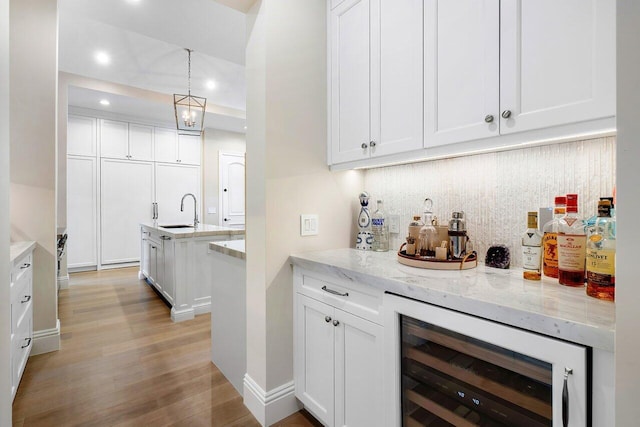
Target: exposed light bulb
102	58
104	102
211	85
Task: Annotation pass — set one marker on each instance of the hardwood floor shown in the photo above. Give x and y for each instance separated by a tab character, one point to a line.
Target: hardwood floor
123	362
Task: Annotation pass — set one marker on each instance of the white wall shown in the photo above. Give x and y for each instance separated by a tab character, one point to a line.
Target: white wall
496	190
287	173
216	140
627	352
34	73
5	313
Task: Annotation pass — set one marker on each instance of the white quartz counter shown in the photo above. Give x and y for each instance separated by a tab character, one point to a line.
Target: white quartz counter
16	250
500	295
234	248
185	232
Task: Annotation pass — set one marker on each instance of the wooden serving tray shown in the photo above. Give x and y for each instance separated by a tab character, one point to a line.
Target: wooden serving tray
471	261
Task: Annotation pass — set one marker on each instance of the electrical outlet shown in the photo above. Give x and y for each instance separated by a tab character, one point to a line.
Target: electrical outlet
394	224
309	225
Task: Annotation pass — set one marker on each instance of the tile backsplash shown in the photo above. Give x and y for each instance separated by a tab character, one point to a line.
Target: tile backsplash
496	190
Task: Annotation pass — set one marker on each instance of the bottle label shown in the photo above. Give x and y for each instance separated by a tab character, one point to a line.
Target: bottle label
571	252
377	222
531	257
550	245
601	261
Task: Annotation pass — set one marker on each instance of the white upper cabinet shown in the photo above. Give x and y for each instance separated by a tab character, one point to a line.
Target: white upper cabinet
189	149
375	78
557	62
81	136
461	78
121	140
173	148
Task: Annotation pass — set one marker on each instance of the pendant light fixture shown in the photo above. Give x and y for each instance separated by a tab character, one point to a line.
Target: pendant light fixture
189	109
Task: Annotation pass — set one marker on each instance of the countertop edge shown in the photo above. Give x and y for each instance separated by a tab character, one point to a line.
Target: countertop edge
216	231
220	247
554	327
18	249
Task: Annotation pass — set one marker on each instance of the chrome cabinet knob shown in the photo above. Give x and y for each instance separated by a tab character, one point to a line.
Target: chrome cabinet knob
364	145
506	114
488	118
336	323
372	144
327	319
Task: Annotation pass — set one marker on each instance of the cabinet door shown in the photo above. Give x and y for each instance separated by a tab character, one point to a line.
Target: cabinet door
314	370
168	270
359	369
166	145
145	254
461	79
81	136
557	62
126	198
114	139
189	149
82	212
398	103
153	263
140	142
350	81
172	182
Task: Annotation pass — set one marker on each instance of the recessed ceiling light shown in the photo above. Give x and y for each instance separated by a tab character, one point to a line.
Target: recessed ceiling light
102	58
211	84
104	102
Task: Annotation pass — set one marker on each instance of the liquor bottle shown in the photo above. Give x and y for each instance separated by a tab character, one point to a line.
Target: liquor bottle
531	248
380	229
550	239
601	254
364	238
428	238
572	242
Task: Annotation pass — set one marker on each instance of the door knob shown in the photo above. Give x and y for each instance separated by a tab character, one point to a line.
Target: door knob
225	190
226	219
506	114
488	118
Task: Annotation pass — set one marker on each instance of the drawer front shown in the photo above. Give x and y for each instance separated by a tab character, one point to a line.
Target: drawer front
21	298
354	298
22	266
21	348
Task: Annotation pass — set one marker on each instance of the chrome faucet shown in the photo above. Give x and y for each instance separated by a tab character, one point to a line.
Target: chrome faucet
195	208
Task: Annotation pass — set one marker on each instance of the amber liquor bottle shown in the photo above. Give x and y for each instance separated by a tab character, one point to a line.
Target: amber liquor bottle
550	239
601	254
572	242
531	248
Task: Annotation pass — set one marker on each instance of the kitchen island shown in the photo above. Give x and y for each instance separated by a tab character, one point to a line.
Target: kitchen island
174	261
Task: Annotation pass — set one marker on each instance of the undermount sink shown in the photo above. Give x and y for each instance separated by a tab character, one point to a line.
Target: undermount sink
176	226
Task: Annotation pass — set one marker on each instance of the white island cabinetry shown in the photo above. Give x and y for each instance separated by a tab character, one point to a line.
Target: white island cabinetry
174	261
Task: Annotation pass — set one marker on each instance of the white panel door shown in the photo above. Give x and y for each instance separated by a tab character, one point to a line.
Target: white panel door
114	139
81	136
359	365
557	62
399	98
189	149
461	79
232	186
82	212
166	145
126	200
315	339
350	81
172	182
140	142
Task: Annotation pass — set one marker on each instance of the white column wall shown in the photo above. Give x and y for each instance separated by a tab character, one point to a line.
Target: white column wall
627	350
33	79
287	174
5	313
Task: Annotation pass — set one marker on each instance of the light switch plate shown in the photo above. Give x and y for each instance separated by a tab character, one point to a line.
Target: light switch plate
212	210
394	224
309	225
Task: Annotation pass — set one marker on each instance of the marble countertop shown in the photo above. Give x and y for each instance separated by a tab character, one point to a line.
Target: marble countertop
500	295
185	232
234	248
17	249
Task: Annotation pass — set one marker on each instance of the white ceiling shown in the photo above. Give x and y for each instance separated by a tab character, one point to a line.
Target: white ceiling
145	40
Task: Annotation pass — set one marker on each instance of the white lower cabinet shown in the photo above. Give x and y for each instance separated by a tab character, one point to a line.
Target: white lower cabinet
157	263
21	293
338	355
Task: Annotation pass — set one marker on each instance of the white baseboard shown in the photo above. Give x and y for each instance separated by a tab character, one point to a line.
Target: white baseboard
63	282
141	275
46	340
202	308
272	406
182	315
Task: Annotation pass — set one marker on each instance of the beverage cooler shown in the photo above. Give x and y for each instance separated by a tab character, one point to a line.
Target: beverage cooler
445	368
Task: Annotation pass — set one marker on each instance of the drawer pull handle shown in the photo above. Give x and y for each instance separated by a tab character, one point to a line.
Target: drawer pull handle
565	397
26	299
165	237
331	291
336	323
25	265
327	319
27	344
